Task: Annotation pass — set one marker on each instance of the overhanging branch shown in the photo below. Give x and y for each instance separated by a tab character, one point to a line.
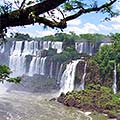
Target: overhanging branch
19	17
30	15
88	10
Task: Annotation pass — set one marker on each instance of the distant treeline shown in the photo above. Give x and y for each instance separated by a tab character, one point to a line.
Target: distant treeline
72	36
65	36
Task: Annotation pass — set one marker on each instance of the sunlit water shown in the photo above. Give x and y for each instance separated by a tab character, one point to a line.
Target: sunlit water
28	106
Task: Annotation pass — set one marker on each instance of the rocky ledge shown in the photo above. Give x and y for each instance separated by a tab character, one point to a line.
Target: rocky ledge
93	98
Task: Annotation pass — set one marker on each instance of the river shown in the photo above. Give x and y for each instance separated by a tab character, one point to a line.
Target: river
17	105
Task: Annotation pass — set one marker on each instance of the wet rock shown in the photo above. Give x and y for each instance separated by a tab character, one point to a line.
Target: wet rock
118	116
53	99
111	116
42	53
92	74
70	102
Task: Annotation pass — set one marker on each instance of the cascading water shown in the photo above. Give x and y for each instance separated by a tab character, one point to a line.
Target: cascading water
82	85
46	45
28	49
17	65
42	66
2	48
68	77
57	70
57	45
32	67
60	74
17	61
79	47
51	70
114	86
17	48
37	66
21	49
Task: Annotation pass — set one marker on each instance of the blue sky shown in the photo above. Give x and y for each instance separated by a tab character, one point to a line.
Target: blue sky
88	23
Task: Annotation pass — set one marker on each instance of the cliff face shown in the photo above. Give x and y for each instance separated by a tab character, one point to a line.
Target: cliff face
92	74
49	59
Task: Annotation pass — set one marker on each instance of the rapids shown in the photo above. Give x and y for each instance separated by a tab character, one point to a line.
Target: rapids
16	105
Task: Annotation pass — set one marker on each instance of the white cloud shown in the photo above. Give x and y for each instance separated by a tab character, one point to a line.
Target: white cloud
90	28
74	22
117	5
44	33
2	2
103	27
116	26
115	19
86	28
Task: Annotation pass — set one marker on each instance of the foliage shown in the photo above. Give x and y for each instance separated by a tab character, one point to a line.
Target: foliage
20	36
93	37
68	54
94	97
61	37
4	75
65	37
72	36
107	57
51	52
69	51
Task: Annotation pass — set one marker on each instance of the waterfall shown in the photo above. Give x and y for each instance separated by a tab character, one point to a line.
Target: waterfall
42	66
37	66
57	45
57	70
46	45
79	47
12	48
68	77
60	74
17	61
2	48
51	70
84	47
32	67
28	49
17	65
21	53
17	48
114	86
82	85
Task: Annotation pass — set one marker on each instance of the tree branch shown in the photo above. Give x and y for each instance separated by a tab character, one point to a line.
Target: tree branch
30	15
19	17
22	4
88	10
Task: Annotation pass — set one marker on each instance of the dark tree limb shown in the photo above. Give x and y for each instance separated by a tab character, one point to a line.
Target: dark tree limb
30	15
83	11
20	17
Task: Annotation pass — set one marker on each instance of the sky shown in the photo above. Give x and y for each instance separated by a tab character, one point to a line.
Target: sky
88	23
